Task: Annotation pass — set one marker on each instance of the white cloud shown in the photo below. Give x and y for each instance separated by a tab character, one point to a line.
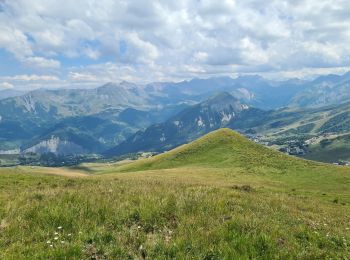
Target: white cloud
77	76
151	40
41	62
6	85
33	77
14	41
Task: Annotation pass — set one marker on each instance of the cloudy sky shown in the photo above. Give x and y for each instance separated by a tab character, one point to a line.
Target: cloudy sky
84	43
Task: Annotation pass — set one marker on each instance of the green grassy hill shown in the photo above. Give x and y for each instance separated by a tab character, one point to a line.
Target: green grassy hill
221	148
220	197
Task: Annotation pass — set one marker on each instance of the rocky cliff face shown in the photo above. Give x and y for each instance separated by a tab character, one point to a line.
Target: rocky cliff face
55	145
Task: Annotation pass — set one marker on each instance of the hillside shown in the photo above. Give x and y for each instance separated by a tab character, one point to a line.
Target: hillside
330	149
215	112
220	197
323	91
300	121
221	148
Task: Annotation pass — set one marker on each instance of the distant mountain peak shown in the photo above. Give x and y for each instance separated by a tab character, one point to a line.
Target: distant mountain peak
127	84
224	101
221	97
122	85
216	112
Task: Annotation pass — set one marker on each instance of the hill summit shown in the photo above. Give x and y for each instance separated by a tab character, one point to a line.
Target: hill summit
222	148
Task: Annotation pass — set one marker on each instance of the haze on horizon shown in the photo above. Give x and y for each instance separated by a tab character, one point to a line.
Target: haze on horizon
44	43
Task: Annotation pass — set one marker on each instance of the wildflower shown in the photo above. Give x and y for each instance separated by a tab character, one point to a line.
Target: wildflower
138	227
69	235
59	227
62	242
56	233
48	242
51	245
56	238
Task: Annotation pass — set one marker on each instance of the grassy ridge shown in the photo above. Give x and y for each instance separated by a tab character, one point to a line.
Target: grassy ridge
220	148
199	201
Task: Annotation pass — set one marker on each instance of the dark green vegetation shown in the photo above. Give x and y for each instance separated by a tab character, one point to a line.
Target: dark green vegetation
331	150
221	196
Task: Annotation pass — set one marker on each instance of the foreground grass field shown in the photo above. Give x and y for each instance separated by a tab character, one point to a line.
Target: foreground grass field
219	197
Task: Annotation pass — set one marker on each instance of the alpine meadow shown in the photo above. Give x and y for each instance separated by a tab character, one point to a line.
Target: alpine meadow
193	129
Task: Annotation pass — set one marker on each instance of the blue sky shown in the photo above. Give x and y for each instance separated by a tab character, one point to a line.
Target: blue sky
86	43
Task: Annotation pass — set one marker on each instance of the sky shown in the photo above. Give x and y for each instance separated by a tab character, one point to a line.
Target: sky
86	43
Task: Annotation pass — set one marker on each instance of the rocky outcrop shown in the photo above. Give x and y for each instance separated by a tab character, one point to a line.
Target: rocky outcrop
55	145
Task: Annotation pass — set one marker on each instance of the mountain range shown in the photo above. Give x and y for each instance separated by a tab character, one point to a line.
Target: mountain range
121	118
7	93
224	110
216	112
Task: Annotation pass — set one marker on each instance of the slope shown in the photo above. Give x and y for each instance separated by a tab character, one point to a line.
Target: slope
221	148
220	197
330	149
324	90
299	121
216	112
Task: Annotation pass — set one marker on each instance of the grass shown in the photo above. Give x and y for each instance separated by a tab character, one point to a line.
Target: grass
199	201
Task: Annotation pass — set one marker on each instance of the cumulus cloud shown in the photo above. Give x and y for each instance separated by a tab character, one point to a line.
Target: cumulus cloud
41	62
33	77
145	40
